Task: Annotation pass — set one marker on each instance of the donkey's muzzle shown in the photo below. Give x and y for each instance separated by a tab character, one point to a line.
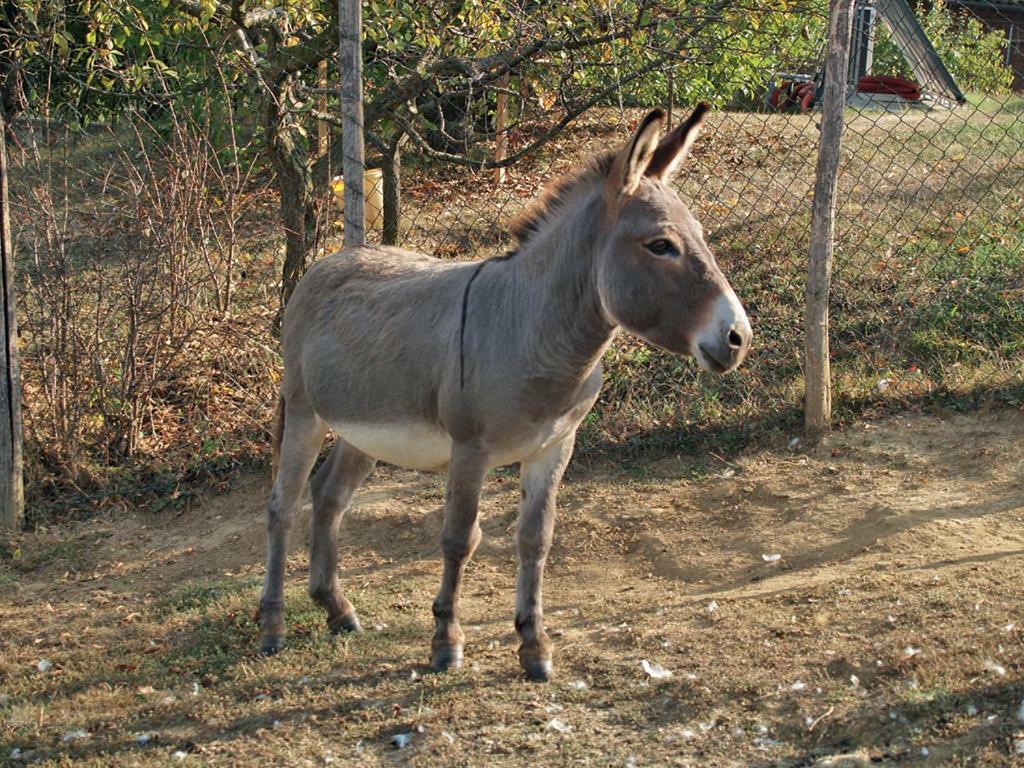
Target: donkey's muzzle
724	348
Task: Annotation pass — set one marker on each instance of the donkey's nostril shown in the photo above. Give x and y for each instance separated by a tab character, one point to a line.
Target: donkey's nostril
735	340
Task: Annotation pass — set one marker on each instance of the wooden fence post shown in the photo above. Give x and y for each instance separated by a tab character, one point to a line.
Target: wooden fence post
817	374
350	60
12	491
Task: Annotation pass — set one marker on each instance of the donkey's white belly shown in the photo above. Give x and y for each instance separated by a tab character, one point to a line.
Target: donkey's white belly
427	448
413	446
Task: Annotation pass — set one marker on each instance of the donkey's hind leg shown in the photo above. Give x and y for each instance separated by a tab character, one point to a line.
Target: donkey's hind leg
303	435
333	487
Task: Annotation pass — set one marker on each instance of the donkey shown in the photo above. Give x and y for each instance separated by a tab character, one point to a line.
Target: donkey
433	365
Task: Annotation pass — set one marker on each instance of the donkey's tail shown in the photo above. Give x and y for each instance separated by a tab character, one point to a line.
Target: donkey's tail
277	436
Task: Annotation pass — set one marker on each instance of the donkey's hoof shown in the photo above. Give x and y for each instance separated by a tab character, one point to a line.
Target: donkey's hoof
446	657
271	645
537	670
343	625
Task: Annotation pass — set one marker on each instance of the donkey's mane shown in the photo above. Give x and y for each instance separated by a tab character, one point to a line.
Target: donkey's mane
546	207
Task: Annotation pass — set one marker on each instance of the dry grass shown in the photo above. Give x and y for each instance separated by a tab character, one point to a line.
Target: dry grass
890	625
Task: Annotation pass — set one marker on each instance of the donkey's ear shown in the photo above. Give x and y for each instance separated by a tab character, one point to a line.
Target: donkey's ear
629	165
674	148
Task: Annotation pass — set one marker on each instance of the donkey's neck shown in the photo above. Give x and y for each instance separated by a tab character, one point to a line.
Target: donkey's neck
565	327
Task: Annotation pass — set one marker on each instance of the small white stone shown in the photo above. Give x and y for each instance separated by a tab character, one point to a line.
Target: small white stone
996	669
557	725
402	740
44	665
655	671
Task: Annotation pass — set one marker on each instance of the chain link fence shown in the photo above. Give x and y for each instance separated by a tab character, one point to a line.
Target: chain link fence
174	171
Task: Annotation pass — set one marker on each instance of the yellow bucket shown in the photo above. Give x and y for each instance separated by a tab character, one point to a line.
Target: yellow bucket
373	186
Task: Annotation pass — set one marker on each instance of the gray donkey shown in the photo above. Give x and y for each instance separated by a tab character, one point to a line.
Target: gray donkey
434	365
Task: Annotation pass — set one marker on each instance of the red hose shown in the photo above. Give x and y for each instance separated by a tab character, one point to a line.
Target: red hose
798	94
895	86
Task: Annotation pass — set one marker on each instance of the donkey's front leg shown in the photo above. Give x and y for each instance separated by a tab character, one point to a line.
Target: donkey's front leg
459	536
539	478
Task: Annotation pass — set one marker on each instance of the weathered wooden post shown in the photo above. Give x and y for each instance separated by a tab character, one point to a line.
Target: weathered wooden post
12	493
817	374
350	60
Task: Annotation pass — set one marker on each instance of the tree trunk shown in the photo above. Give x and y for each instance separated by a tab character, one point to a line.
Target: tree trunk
299	223
294	170
392	172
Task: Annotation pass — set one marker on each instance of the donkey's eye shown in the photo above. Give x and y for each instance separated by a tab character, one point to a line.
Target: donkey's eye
661	247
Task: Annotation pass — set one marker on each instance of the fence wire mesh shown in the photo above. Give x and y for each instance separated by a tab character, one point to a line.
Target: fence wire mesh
176	163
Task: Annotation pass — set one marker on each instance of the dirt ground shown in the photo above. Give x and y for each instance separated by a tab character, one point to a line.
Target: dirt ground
854	603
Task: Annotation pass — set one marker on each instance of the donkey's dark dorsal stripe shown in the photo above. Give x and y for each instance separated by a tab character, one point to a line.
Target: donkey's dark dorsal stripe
463	367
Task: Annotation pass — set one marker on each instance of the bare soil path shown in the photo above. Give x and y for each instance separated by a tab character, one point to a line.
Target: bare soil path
857	603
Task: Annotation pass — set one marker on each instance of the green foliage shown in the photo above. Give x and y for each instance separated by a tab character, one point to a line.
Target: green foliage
973	54
90	60
727	57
